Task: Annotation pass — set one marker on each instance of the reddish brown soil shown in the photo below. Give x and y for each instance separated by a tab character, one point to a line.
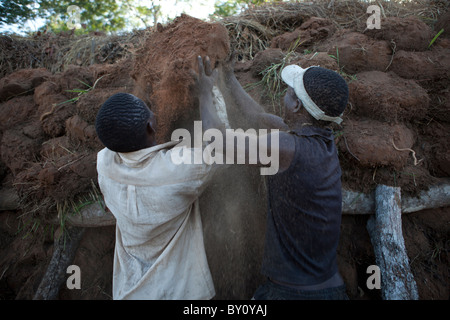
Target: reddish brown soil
311	31
163	64
356	52
409	34
398	93
388	97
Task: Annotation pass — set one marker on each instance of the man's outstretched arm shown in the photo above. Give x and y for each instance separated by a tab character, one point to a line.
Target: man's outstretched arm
244	112
279	146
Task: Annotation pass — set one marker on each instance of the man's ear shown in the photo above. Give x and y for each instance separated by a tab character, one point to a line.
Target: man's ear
150	129
298	106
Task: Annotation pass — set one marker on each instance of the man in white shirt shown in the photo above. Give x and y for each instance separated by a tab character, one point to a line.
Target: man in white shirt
159	251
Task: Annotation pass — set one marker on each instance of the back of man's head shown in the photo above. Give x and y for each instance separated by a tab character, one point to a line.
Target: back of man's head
121	123
327	89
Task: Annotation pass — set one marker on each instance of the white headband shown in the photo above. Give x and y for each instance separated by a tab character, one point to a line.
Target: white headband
293	76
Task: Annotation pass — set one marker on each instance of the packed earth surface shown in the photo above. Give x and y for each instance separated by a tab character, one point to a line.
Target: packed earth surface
396	132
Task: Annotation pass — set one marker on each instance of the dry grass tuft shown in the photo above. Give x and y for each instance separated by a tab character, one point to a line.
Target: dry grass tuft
252	30
56	51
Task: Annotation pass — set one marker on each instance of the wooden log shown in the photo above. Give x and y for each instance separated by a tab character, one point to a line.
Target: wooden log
93	215
64	252
437	196
353	202
385	230
357	202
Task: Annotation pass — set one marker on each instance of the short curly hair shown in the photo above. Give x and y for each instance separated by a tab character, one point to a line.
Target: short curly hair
121	123
327	89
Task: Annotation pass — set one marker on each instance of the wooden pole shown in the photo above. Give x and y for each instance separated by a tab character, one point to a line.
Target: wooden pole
437	196
385	230
63	254
91	216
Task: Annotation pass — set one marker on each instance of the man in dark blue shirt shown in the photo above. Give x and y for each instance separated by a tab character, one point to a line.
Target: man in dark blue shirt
304	197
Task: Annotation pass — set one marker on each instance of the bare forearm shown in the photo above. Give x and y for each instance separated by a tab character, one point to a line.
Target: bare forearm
243	101
208	113
243	111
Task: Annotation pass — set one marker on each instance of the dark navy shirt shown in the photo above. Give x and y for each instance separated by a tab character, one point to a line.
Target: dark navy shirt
304	212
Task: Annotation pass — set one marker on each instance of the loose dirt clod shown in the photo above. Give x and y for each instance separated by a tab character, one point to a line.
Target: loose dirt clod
162	69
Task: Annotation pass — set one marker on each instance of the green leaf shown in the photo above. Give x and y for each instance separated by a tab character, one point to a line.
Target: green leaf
435	37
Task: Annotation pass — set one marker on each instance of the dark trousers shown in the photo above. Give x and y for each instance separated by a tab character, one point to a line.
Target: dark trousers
273	291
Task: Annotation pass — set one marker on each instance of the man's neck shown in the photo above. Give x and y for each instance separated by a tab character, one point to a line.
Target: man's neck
303	120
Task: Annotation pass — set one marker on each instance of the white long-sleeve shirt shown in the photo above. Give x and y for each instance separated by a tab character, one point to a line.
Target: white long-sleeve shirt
159	251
